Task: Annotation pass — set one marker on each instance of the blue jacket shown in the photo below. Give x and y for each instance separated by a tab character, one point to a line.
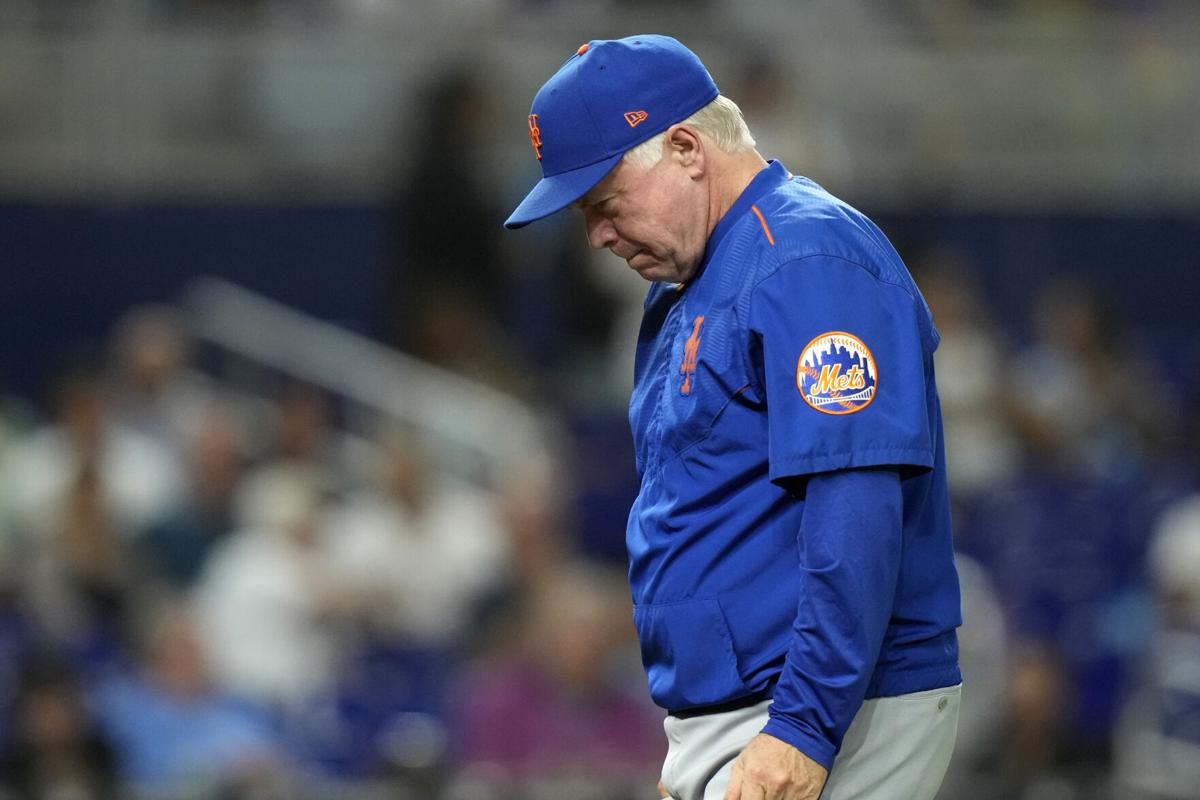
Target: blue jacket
792	531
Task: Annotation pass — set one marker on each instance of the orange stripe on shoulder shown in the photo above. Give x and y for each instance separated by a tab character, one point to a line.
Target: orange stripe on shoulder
763	222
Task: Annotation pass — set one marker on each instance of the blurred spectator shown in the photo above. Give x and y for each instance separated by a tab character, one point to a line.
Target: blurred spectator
448	222
1175	564
303	440
56	751
1157	745
79	578
174	732
154	390
1036	757
1065	555
1083	397
535	501
138	477
1033	755
268	600
419	555
565	714
448	286
981	447
14	427
450	282
178	544
302	428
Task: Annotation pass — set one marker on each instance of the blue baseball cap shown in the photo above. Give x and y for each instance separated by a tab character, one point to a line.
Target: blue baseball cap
612	95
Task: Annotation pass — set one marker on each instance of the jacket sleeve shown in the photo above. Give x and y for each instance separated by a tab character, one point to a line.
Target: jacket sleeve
850	543
842	360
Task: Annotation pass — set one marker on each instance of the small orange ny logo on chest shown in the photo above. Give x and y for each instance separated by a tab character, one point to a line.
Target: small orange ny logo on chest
690	349
535	136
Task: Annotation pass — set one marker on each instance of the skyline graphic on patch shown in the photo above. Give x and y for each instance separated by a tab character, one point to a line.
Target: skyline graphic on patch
836	373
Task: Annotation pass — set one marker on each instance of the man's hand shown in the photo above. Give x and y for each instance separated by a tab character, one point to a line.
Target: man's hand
771	769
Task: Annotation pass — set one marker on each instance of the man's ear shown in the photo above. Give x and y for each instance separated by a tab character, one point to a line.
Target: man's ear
686	148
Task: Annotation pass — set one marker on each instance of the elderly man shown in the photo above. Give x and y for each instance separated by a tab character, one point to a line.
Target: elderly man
790	556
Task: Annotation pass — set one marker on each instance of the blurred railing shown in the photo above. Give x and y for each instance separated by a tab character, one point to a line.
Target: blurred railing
1043	106
479	431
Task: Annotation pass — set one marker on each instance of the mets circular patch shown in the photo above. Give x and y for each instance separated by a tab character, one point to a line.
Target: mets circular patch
836	374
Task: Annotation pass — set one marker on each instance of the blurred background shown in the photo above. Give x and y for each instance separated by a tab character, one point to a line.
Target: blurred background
313	480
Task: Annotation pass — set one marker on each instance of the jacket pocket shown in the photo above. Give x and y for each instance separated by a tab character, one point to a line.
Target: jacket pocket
688	420
688	653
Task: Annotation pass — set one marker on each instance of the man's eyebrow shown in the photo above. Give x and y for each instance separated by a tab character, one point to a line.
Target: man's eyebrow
583	201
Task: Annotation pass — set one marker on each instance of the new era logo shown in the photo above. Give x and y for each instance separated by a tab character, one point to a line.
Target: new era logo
635	118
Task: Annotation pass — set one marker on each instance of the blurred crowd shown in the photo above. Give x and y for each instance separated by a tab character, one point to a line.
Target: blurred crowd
203	595
207	593
203	598
1074	476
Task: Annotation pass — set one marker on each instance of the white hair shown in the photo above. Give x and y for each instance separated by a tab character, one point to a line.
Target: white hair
721	121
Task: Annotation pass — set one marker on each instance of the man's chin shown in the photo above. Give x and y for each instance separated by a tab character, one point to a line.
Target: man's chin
649	267
660	273
654	275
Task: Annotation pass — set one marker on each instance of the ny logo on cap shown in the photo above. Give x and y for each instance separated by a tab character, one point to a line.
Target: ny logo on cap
635	118
535	136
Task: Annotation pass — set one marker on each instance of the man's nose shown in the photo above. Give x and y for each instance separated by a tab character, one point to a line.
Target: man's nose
600	230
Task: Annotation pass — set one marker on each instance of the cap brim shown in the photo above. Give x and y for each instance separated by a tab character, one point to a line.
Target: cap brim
556	192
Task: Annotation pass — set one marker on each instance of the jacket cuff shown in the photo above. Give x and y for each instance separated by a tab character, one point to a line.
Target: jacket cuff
803	738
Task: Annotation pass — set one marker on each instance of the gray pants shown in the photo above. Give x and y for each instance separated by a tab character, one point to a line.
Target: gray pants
896	747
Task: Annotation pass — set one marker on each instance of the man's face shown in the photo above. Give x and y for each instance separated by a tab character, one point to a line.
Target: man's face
654	219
